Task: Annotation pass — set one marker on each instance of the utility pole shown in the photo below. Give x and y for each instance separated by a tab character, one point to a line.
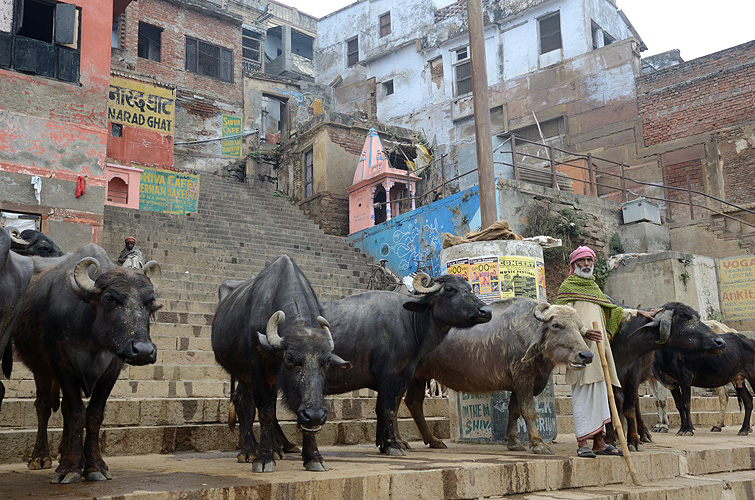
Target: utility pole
483	137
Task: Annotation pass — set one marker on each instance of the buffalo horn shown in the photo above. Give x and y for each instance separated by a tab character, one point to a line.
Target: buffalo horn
153	271
15	238
540	310
271	333
326	326
664	329
422	281
81	275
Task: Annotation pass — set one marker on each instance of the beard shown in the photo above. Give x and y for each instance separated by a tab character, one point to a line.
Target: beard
585	272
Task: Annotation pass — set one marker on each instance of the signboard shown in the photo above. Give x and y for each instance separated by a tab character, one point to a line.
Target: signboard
230	126
482	418
736	277
141	105
495	278
168	191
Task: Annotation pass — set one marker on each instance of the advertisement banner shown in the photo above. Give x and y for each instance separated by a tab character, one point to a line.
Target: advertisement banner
141	105
168	191
737	282
519	277
459	267
230	126
483	276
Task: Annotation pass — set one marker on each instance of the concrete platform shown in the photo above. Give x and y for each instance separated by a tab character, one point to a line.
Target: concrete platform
698	467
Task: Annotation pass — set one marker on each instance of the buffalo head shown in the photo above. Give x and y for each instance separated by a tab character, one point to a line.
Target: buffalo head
307	354
679	326
559	337
31	242
450	299
123	302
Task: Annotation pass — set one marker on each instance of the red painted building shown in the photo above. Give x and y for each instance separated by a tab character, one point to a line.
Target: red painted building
54	79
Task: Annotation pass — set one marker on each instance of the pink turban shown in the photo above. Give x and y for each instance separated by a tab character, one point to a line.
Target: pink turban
580	253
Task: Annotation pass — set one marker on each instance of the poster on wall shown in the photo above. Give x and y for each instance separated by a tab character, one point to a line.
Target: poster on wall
519	277
168	191
736	277
483	276
141	105
459	267
230	126
541	296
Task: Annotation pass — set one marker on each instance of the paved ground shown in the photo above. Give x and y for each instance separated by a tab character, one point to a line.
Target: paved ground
360	472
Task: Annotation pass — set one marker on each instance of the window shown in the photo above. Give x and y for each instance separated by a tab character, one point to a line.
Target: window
385	24
209	60
352	51
308	174
600	38
115	41
388	87
550	33
149	41
251	52
44	40
463	70
116	130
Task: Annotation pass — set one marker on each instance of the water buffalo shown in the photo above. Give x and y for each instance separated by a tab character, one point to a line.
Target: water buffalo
294	356
386	335
516	351
677	326
31	242
78	323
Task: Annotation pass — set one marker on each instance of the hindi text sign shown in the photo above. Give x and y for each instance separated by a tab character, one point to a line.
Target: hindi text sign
141	105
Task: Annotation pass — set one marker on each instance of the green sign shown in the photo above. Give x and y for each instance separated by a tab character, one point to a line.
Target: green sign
168	191
230	126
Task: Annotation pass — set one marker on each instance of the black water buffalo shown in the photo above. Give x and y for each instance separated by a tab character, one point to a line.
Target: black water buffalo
680	372
516	351
31	242
386	335
676	326
293	356
78	323
15	273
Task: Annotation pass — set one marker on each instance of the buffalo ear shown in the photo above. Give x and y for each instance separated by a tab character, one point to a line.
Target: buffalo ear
416	306
337	362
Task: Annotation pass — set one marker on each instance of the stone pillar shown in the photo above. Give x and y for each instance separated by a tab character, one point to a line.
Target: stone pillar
413	193
372	205
388	185
286	45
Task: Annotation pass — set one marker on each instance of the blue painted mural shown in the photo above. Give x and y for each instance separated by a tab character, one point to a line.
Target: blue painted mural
415	239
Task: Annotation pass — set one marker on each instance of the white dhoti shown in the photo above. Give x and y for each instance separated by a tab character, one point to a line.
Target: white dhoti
589	408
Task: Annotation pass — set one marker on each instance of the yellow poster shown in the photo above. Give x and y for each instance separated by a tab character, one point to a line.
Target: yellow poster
483	276
519	277
541	296
230	126
737	282
141	105
459	267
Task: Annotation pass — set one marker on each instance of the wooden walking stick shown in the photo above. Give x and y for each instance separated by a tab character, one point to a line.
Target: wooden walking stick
614	412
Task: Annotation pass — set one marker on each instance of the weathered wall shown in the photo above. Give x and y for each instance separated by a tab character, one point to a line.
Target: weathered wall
58	131
329	211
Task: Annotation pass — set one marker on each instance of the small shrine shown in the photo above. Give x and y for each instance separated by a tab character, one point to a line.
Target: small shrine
377	187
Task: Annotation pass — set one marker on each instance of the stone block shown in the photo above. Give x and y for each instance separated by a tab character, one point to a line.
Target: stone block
644	237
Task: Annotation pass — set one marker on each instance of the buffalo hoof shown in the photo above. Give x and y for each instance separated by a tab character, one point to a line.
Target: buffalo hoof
263	466
516	445
541	449
744	432
685	433
645	439
63	478
315	466
279	455
39	463
717	428
96	475
243	457
438	444
394	452
662	428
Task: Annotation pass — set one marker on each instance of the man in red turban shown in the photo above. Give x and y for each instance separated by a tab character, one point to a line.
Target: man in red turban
131	255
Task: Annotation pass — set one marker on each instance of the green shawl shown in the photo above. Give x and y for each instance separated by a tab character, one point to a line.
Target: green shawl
575	288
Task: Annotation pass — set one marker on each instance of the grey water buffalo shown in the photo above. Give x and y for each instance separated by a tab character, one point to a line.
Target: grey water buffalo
516	351
293	356
77	325
677	326
31	242
386	335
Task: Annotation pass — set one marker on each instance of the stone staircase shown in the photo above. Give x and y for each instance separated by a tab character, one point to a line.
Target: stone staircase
730	230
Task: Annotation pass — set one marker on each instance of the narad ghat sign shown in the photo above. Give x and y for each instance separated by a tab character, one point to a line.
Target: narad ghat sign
736	277
141	105
168	191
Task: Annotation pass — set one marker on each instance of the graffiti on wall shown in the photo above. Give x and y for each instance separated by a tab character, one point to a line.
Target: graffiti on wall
141	105
306	106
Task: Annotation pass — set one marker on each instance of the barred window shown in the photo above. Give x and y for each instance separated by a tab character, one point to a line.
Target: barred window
251	49
149	41
209	60
385	24
463	70
352	51
550	33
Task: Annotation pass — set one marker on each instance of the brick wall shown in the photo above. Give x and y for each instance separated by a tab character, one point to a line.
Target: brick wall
702	95
738	159
178	21
676	176
329	211
351	141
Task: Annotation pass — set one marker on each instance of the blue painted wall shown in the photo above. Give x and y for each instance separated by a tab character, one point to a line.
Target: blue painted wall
416	238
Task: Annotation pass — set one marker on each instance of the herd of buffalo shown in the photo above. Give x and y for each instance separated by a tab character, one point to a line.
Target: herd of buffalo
75	319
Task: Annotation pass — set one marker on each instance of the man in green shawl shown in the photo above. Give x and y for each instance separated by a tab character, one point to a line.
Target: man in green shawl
589	395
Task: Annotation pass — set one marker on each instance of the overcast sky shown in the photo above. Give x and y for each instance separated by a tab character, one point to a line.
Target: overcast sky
696	27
